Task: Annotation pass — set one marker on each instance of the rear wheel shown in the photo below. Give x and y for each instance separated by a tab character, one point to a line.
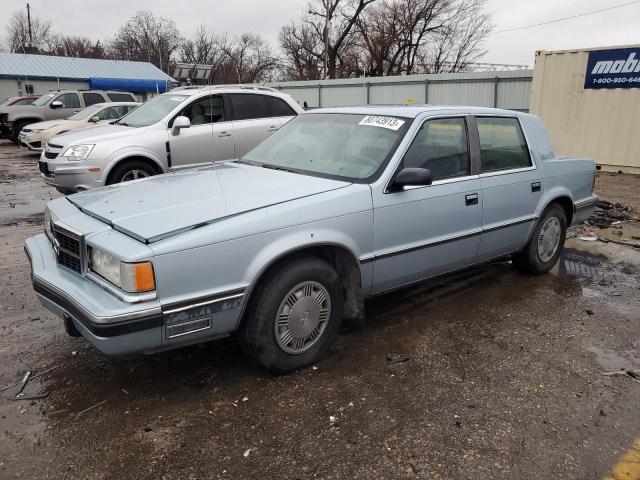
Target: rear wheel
546	243
294	315
130	170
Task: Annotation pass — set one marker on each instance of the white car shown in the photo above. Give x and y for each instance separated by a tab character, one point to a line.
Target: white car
34	136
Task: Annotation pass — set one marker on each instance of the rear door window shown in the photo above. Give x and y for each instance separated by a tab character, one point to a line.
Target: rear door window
502	144
441	146
247	106
92	98
278	107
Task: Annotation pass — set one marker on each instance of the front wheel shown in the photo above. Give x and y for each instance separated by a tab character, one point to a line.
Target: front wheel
293	316
546	243
130	170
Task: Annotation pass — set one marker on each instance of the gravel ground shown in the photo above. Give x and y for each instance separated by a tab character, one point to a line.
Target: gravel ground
504	378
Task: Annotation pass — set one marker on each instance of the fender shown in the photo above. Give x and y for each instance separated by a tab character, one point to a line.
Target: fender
133	151
552	194
312	237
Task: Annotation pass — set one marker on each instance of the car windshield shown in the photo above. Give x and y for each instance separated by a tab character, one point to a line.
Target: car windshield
43	99
344	145
85	113
152	111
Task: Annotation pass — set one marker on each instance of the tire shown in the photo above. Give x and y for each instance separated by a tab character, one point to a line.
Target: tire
129	169
539	257
16	130
282	338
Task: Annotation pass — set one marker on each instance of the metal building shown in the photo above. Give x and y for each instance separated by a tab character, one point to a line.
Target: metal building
589	100
510	90
22	74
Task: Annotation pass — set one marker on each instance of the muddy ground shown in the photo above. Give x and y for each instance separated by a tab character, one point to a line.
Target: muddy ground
504	378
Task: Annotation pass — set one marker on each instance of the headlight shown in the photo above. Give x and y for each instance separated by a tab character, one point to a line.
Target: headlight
34	131
130	277
78	152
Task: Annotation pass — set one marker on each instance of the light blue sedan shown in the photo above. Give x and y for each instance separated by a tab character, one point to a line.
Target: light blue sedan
278	247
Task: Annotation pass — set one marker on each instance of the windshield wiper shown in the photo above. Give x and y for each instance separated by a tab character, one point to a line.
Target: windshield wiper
277	167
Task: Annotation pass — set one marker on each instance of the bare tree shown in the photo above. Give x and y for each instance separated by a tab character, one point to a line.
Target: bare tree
302	51
250	57
145	37
316	41
69	46
204	49
18	37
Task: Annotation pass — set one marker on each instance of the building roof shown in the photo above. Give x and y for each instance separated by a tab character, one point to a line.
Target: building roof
19	65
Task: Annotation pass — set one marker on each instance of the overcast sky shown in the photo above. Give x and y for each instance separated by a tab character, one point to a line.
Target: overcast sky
101	19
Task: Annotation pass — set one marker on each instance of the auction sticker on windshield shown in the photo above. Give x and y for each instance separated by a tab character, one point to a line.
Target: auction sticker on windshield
385	122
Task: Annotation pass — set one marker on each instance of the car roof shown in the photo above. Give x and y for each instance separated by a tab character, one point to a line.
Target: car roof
115	104
412	111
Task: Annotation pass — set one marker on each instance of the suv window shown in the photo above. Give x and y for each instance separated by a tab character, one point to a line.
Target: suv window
247	106
92	98
279	108
121	97
502	144
69	100
441	146
206	110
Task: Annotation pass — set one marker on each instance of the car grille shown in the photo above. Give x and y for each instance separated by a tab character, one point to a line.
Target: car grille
70	249
51	155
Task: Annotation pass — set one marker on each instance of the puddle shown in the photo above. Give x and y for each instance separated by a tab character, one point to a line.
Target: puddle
612	361
579	263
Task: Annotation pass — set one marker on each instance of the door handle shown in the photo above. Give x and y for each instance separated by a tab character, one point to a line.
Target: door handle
273	128
224	134
471	199
535	187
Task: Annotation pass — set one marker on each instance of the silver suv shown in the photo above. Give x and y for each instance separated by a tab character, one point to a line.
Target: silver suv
186	127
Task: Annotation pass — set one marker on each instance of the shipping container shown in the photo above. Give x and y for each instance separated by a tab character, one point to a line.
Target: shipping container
589	100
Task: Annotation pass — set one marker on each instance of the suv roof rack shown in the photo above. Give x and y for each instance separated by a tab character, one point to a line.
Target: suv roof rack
212	87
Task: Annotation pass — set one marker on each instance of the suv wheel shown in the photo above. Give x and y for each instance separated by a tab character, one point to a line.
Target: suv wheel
546	243
16	130
293	316
130	170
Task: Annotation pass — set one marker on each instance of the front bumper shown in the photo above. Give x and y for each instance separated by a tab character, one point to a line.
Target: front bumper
6	129
112	325
33	142
116	327
68	177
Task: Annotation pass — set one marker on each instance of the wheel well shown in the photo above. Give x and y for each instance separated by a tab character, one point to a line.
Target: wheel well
346	266
146	160
26	121
567	206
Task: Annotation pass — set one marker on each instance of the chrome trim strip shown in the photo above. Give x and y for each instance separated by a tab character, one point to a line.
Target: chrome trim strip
420	246
203	303
444	181
506	172
391	253
121	294
508	224
169	327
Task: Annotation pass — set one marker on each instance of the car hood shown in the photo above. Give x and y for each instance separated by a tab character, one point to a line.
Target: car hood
52	123
99	133
158	207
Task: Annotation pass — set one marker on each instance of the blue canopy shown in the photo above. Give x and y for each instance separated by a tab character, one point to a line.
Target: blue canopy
128	84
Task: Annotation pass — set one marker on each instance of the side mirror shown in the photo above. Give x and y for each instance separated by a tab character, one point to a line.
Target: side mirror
94	119
179	123
56	104
408	177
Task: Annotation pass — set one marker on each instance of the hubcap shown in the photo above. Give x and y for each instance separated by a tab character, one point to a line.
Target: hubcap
549	239
302	317
134	175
